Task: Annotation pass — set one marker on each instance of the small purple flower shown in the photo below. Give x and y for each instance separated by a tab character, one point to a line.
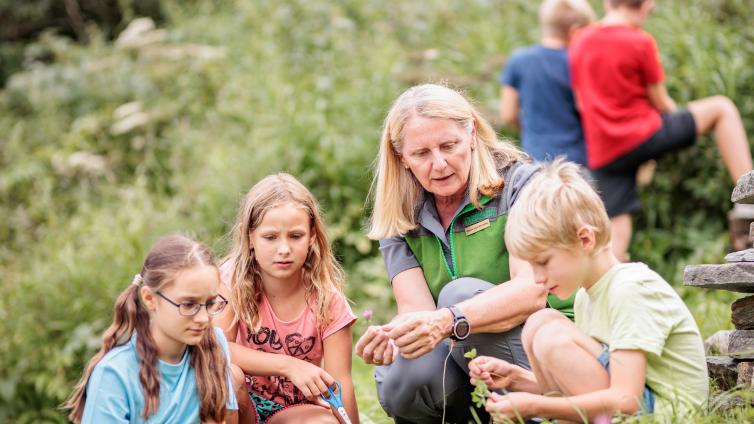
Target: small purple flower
367	314
602	419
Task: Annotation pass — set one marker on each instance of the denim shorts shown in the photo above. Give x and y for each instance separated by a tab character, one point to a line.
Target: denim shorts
648	396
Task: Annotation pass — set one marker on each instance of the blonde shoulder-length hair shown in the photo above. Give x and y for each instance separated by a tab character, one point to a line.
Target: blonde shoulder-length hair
321	275
395	189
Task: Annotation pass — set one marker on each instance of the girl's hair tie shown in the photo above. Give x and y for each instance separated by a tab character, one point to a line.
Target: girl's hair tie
137	280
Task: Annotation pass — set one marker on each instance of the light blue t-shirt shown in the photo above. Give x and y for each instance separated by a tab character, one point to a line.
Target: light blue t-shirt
114	393
550	123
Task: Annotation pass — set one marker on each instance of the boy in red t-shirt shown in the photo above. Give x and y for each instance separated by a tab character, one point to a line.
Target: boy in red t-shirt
628	116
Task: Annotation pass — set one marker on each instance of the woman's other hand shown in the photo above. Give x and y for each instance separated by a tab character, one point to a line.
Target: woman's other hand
375	347
416	333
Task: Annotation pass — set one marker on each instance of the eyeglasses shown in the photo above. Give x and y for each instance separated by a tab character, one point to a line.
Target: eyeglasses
189	309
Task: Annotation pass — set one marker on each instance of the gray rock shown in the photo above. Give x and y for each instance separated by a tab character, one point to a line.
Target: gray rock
742	313
726	401
741	345
744	191
745	372
737	276
742	211
717	344
740	256
723	370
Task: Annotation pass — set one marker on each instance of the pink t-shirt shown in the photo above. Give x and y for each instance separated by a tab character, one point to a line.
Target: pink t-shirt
301	337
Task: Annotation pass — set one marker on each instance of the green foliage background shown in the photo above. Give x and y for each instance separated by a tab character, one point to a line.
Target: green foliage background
225	92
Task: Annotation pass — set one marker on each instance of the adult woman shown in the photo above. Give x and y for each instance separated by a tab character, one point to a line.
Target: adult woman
443	186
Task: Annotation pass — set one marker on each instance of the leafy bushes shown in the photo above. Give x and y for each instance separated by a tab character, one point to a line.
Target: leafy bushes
105	147
24	21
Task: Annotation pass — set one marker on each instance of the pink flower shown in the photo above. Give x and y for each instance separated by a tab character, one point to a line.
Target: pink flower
602	419
367	314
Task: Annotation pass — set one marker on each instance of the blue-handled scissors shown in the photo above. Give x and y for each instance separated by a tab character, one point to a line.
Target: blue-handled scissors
336	402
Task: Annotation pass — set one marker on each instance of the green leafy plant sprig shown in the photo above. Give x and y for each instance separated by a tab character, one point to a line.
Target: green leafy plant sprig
480	393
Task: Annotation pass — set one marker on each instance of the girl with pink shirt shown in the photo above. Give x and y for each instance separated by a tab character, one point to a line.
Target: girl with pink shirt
290	324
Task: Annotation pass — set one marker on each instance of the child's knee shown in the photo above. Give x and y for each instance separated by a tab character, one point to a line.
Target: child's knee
717	106
728	105
535	322
551	338
723	104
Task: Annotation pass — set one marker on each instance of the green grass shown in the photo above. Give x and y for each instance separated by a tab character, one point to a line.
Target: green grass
366	394
229	91
371	411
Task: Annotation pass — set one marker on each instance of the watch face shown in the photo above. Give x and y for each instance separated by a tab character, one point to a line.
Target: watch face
462	329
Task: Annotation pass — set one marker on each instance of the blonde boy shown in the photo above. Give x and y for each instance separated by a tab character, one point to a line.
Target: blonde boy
634	347
535	94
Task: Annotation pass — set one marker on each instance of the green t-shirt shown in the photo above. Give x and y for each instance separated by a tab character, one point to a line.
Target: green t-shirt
632	307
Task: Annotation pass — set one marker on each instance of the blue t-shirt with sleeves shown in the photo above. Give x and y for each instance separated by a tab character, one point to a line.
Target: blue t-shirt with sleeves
550	123
114	393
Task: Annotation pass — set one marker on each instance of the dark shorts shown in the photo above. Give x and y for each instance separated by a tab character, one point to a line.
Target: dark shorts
647	396
616	181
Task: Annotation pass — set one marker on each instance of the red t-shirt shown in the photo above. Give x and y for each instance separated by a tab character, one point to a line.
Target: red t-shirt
611	67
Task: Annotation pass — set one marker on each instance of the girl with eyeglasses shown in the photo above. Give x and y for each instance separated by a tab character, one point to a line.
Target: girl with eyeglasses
161	359
290	324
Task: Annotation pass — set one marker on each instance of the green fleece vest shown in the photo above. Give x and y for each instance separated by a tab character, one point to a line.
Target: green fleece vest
477	249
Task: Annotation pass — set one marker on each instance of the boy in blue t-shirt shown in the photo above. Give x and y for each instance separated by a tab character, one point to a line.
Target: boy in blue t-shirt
536	94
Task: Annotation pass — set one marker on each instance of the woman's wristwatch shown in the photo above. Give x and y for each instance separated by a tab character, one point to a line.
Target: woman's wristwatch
461	327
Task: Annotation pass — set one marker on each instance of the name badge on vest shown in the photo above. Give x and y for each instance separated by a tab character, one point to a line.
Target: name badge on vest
475	228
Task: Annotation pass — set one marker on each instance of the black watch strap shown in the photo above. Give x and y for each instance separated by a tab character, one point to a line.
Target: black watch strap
456	312
458	318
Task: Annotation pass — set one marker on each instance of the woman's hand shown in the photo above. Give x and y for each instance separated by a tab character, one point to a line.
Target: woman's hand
511	407
495	373
309	378
375	347
416	333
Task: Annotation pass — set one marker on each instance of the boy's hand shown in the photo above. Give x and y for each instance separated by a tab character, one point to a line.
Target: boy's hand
511	407
309	378
495	373
499	374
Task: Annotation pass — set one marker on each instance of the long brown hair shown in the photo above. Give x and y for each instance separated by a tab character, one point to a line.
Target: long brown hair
165	260
322	276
